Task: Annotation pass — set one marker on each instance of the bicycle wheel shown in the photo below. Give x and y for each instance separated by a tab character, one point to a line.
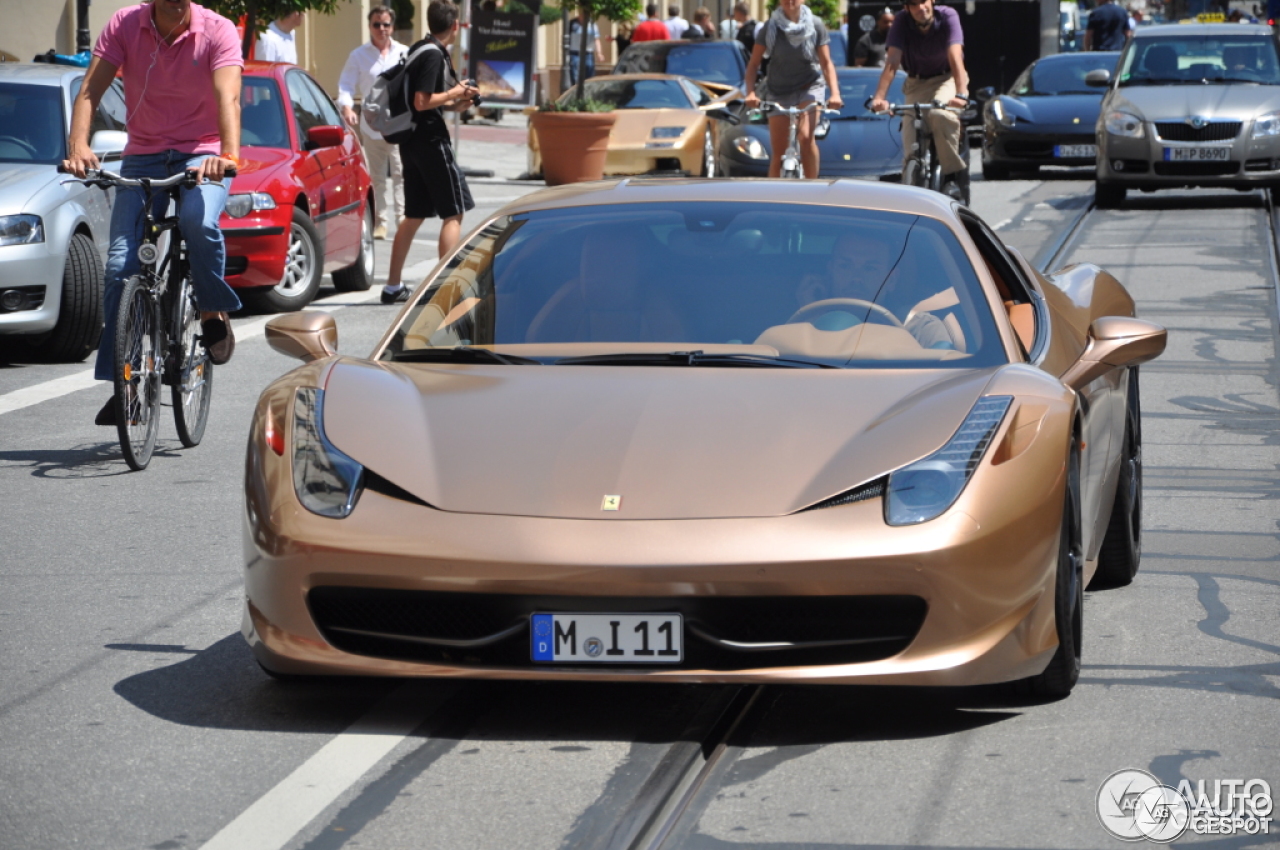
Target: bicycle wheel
192	383
790	167
137	376
913	173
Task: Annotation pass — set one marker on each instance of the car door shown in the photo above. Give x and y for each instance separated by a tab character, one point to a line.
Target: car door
319	168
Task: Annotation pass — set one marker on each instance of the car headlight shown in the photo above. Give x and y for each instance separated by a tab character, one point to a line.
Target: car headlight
1124	124
239	206
327	481
923	490
750	146
1266	125
666	132
21	230
1002	116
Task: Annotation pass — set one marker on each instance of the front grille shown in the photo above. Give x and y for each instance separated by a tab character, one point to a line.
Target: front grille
887	623
1196	169
236	265
1180	131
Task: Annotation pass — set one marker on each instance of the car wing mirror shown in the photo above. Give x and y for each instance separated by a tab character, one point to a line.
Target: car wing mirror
1098	78
985	93
307	336
1115	342
721	114
326	136
107	143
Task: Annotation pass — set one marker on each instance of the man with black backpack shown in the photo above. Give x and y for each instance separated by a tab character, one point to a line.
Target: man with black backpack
433	182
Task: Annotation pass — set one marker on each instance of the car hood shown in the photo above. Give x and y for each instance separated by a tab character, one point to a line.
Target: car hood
21	182
1156	103
861	147
258	166
673	442
633	126
1062	109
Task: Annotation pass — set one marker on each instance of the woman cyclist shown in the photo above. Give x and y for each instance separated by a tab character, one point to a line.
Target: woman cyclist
799	62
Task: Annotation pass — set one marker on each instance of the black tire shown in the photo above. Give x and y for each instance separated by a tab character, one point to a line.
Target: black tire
136	375
79	326
1063	671
358	276
192	379
303	268
1122	546
708	154
994	171
913	173
1108	196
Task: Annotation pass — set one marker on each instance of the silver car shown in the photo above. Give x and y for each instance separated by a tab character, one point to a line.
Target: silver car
53	234
1190	105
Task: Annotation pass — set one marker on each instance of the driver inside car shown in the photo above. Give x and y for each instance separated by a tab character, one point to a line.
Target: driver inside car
863	268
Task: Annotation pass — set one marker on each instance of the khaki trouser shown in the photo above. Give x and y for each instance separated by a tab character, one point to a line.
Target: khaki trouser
944	125
379	154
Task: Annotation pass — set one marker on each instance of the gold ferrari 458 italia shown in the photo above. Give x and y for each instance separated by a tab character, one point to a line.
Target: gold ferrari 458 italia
665	123
730	431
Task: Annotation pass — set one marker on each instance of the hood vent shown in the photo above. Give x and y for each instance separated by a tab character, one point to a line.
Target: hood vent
861	493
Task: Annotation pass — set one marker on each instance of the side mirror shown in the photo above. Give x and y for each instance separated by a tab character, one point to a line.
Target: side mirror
107	143
721	114
1114	342
985	93
328	136
307	336
1098	78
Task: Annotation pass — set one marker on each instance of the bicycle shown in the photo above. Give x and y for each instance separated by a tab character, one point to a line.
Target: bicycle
791	168
923	167
158	340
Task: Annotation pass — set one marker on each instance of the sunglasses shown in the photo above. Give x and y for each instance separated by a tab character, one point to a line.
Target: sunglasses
380	26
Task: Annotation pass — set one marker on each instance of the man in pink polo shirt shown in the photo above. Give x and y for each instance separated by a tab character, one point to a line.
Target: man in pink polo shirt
181	66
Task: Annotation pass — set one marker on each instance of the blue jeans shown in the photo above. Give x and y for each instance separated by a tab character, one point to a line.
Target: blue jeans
573	67
199	209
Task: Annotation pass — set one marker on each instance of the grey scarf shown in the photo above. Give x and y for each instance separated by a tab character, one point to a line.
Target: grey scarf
802	33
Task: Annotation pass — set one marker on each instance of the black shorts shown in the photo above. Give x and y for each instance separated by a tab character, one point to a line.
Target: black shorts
433	183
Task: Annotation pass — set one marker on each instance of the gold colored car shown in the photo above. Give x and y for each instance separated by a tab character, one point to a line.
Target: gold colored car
706	431
665	123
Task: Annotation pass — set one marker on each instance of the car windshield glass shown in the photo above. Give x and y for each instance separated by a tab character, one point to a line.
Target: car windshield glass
261	114
635	94
32	127
1065	74
857	86
714	63
1188	60
731	283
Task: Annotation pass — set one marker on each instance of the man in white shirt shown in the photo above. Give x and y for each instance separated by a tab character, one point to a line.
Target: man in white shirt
277	44
676	25
363	66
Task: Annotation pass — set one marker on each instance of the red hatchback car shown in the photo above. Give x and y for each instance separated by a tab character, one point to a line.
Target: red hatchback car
301	204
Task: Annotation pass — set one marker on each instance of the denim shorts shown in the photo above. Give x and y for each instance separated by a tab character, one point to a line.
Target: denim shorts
815	92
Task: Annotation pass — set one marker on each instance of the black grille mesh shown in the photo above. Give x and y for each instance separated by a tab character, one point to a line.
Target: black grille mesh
1180	131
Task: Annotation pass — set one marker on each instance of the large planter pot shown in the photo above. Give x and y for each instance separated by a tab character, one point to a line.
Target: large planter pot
572	144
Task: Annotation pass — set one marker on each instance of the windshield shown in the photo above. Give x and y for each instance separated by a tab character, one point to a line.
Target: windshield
635	94
762	283
714	62
857	86
262	114
1191	60
1064	74
32	127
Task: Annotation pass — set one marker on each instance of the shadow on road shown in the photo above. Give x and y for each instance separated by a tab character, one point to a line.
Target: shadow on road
97	460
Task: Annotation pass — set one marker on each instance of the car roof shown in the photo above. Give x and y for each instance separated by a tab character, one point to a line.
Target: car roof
858	194
39	73
1164	30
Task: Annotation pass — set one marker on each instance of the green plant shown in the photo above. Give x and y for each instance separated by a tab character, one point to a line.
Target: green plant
615	10
826	10
574	105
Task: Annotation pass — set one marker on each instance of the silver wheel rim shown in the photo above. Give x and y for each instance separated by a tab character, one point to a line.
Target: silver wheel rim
192	375
144	382
299	262
708	156
366	242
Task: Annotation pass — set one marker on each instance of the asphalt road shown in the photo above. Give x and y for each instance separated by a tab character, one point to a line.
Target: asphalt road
133	716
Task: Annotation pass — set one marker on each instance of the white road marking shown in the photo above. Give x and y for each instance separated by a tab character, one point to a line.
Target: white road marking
272	821
67	384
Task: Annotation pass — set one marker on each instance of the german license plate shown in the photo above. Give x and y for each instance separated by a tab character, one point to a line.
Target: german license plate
608	638
1197	154
1075	151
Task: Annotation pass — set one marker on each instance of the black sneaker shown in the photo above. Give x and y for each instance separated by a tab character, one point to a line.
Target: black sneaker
397	296
107	415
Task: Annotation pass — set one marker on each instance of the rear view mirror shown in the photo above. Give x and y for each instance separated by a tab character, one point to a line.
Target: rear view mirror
327	136
107	143
1115	342
985	93
306	336
1098	78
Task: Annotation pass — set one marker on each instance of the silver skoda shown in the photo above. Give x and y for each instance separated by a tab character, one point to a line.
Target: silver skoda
1190	105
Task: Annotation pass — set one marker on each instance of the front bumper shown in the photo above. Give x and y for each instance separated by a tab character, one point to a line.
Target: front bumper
1142	163
256	247
1017	149
37	271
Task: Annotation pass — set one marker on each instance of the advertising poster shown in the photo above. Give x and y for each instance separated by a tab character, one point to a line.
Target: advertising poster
502	62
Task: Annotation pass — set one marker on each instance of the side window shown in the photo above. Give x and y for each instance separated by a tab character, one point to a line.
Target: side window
327	110
696	92
112	108
1009	280
305	109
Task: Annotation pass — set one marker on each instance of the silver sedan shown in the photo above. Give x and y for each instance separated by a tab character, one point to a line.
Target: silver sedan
1190	105
53	234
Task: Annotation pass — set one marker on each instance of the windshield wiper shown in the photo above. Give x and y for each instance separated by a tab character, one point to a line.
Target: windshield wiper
1155	81
461	354
690	358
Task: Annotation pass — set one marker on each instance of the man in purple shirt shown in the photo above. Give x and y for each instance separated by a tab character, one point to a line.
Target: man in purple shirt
928	44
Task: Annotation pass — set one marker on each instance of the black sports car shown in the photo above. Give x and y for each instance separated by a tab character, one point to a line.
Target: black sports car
1046	118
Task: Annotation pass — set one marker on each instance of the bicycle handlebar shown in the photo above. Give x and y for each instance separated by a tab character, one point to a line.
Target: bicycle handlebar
894	108
772	106
103	178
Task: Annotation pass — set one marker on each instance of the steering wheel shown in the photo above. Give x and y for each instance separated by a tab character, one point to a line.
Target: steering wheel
829	305
22	143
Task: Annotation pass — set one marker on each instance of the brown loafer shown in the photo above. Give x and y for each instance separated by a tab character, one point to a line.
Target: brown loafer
219	339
